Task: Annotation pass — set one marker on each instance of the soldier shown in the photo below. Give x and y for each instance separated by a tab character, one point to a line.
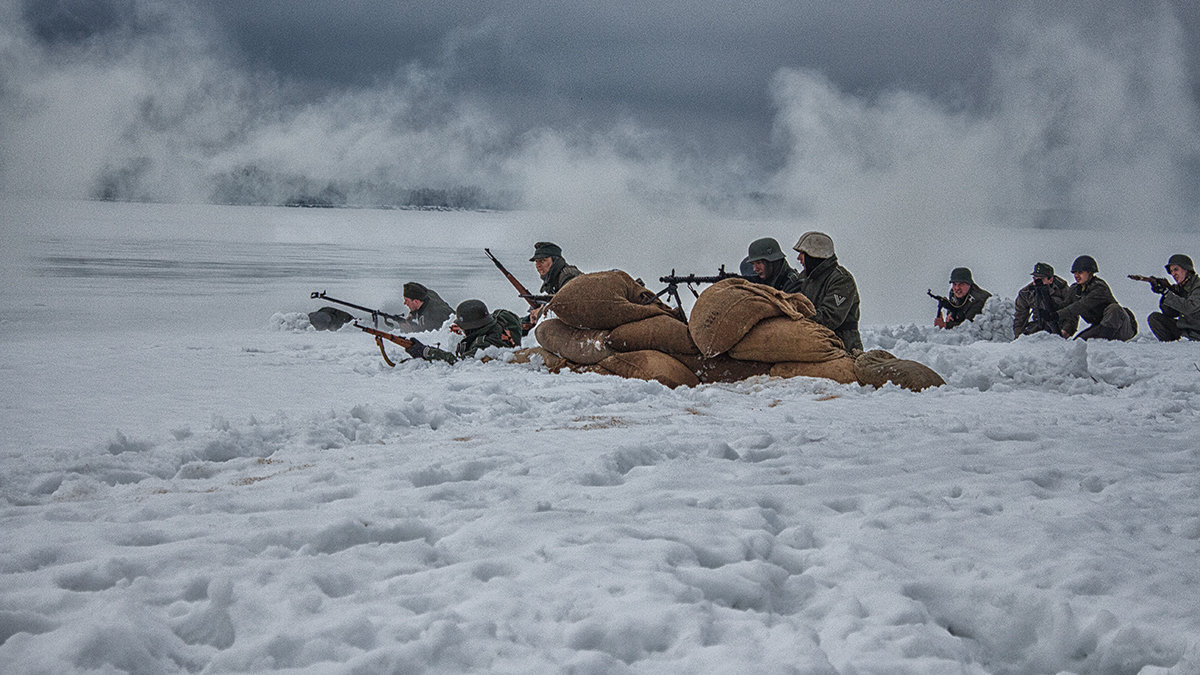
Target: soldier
966	299
770	266
426	309
830	287
480	330
1090	298
1038	302
553	269
1180	303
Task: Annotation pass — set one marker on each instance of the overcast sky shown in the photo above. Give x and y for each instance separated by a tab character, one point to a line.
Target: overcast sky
730	85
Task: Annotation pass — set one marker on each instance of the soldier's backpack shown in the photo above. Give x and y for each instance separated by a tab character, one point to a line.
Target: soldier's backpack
511	323
329	318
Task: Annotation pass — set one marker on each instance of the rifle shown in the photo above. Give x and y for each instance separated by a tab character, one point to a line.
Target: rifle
380	336
534	301
672	281
1157	284
376	314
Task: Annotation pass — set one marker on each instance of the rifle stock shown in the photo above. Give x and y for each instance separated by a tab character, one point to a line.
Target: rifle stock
380	336
534	301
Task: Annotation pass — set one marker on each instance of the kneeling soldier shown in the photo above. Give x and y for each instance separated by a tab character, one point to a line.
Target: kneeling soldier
1090	299
1180	303
1038	302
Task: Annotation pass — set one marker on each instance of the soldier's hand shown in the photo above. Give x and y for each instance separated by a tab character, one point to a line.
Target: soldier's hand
939	322
416	349
1159	286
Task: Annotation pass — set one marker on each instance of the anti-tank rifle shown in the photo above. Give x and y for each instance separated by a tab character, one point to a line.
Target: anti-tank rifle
376	314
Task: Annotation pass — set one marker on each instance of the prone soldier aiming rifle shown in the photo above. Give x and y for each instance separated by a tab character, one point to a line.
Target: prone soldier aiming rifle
535	301
672	281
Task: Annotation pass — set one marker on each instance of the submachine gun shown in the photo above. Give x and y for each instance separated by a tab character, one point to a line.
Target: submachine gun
672	281
942	301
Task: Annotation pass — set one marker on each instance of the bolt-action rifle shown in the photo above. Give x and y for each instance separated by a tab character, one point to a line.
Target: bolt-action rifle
672	281
535	301
376	315
1157	284
380	336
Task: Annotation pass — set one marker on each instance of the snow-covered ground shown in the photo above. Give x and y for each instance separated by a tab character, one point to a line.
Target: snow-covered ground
192	480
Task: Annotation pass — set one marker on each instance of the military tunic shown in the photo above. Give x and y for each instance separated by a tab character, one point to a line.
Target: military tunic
432	313
966	308
1180	315
1032	315
1094	302
558	275
832	289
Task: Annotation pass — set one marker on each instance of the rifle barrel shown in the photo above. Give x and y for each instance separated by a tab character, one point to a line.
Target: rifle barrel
373	312
521	290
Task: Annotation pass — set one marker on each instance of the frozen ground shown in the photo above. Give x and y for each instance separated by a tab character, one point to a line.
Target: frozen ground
191	480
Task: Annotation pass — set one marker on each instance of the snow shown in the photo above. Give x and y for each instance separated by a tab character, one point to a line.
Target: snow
193	480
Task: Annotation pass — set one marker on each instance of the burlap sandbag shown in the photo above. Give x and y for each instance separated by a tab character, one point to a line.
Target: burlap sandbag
605	300
728	309
840	369
662	333
648	364
781	339
878	367
553	362
578	345
722	368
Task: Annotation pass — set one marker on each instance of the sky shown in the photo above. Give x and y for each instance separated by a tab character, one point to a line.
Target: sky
1078	115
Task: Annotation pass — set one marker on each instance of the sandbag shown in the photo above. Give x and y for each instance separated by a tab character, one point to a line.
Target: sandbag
648	364
578	345
605	300
840	369
728	309
722	368
661	333
878	367
781	339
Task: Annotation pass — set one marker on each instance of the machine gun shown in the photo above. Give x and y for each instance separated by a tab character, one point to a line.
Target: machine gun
376	315
380	336
1157	284
672	281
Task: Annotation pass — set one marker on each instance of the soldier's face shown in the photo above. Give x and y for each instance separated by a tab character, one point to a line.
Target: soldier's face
1177	273
760	268
1082	277
1044	281
543	265
413	304
959	289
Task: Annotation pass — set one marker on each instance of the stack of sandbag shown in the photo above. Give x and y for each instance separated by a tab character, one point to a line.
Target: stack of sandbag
748	322
607	322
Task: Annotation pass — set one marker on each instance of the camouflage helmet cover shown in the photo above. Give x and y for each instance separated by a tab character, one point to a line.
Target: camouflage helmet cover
815	244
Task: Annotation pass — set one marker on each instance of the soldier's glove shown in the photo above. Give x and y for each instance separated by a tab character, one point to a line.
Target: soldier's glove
1159	286
416	349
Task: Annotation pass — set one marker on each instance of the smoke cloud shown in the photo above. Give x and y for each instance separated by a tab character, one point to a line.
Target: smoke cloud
1079	124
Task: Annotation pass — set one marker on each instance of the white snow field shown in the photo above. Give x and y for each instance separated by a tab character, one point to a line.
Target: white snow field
194	480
